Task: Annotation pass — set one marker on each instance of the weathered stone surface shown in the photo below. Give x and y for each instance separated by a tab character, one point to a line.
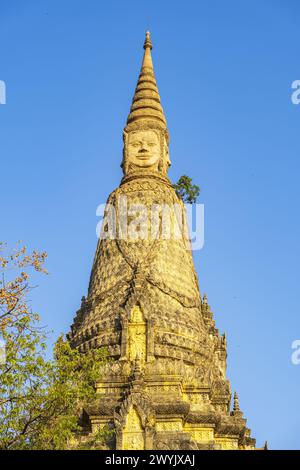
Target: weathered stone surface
166	388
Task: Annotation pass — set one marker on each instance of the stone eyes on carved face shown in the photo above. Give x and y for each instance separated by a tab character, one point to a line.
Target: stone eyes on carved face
144	142
143	148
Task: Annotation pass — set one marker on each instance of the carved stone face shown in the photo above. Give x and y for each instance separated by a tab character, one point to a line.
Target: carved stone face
143	148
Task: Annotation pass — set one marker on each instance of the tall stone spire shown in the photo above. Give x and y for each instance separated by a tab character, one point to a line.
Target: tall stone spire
146	104
146	128
166	386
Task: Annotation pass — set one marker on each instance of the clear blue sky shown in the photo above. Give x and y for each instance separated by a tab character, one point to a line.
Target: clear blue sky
224	72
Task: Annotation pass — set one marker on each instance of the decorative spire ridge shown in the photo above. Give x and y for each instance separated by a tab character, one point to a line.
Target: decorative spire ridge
236	406
146	101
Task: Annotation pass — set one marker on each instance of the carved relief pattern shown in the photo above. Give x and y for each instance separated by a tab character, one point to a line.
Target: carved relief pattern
201	434
227	443
165	386
133	434
169	426
137	336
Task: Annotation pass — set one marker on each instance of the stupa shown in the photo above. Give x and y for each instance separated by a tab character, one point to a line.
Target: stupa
166	385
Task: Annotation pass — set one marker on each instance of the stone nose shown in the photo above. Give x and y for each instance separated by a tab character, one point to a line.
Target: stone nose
144	147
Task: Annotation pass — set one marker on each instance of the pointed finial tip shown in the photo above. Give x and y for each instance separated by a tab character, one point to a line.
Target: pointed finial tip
147	43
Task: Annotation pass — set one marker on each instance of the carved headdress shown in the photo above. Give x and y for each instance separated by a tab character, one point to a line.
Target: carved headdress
146	122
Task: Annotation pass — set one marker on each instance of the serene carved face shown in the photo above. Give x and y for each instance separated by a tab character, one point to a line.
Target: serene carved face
143	148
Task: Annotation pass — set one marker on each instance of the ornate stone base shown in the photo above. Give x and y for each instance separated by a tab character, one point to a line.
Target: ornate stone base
155	412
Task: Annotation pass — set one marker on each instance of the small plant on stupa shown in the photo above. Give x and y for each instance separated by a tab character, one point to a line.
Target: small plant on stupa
187	191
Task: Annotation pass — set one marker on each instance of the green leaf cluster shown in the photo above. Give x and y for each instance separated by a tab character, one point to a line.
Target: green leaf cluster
185	190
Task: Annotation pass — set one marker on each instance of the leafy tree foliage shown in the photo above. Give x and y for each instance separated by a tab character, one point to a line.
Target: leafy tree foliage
187	191
40	399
